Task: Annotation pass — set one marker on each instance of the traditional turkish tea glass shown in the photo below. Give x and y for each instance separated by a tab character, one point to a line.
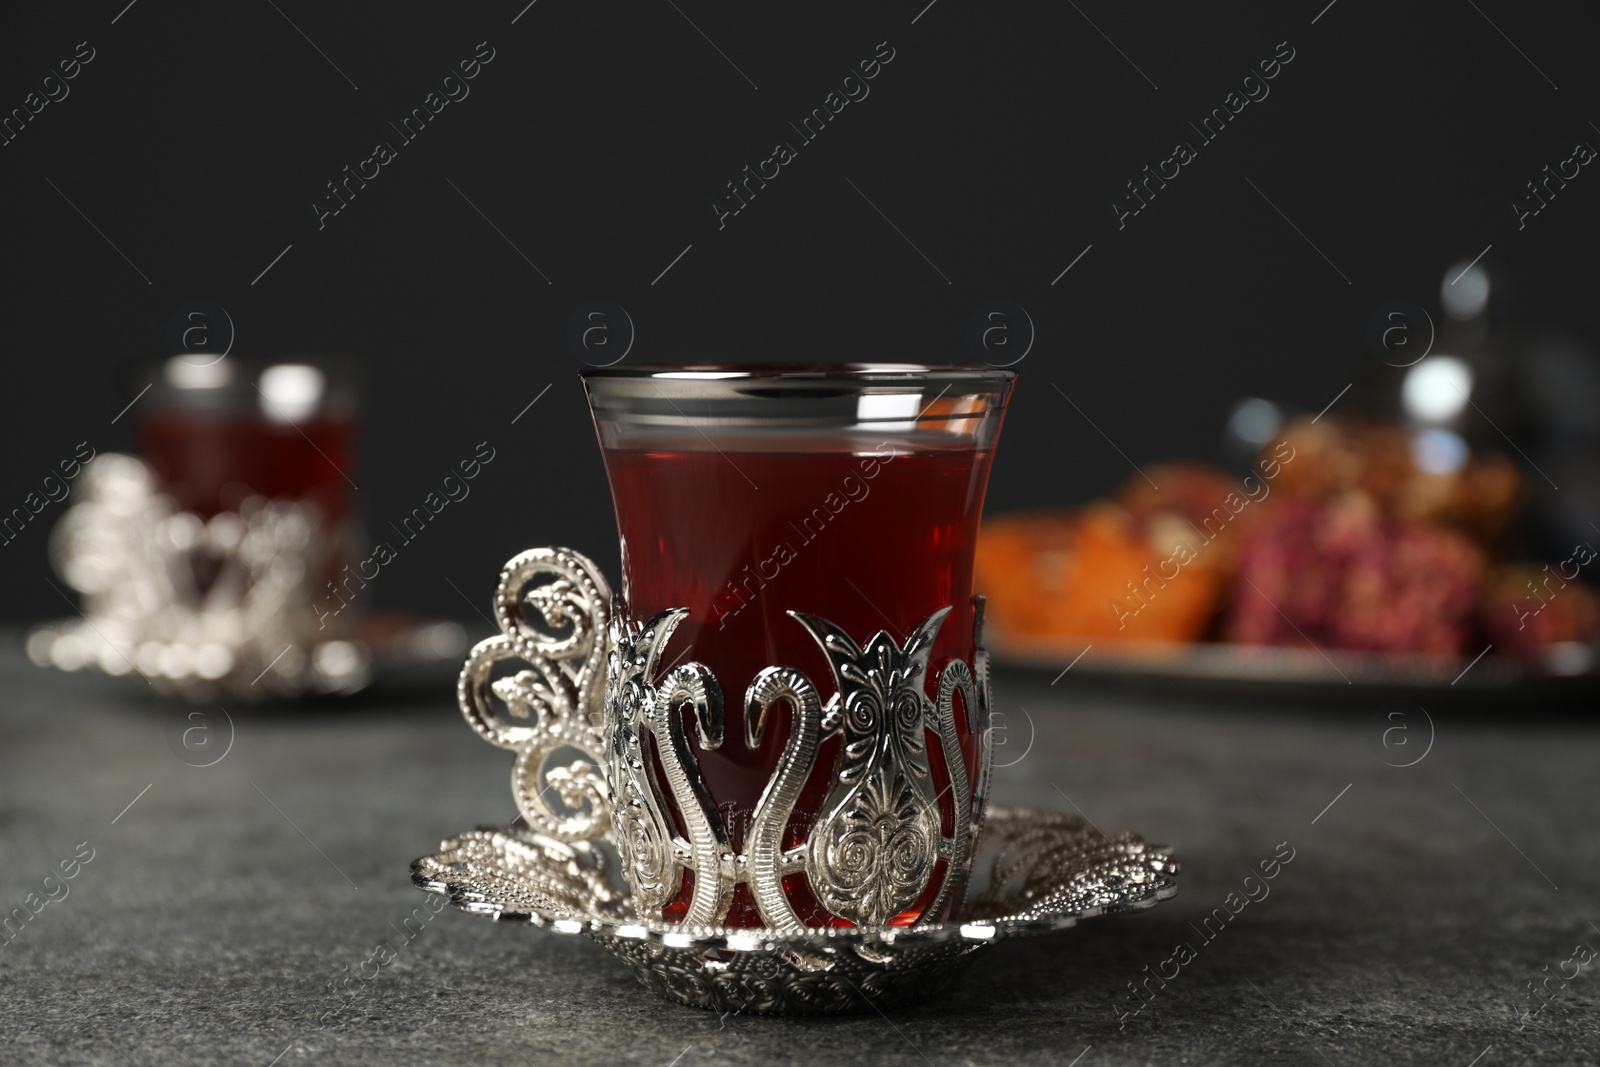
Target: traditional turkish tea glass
797	701
218	431
225	436
218	561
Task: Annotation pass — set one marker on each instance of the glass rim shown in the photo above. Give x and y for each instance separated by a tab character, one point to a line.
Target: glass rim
310	384
964	401
804	374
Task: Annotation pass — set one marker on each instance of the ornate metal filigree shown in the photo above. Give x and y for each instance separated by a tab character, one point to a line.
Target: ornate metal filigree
875	851
767	862
198	607
1049	871
871	856
550	605
635	709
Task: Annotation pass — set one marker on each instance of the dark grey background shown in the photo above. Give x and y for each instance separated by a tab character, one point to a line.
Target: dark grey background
200	135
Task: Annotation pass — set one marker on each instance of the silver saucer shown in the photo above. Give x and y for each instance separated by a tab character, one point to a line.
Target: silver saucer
1047	871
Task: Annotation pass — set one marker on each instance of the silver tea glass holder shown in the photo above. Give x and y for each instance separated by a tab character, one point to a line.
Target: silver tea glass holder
571	686
210	608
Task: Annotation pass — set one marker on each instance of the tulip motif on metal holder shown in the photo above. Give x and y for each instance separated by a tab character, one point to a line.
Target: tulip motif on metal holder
877	844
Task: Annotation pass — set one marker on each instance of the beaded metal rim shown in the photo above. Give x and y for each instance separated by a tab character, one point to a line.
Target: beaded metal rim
1050	871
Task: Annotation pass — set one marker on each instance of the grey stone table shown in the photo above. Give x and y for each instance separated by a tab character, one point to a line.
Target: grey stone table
232	914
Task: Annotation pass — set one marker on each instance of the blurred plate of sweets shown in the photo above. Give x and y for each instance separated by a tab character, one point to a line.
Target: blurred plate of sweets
1348	556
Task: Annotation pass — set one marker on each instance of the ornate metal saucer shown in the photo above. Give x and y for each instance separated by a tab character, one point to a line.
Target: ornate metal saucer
1049	870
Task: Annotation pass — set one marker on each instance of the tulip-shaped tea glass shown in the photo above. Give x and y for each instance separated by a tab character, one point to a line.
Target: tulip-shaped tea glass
216	432
219	561
796	699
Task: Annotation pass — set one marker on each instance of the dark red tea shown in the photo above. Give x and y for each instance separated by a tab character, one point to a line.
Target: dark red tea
871	536
213	453
210	461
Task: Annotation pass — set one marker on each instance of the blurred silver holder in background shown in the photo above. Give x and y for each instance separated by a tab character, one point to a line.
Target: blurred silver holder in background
200	608
588	716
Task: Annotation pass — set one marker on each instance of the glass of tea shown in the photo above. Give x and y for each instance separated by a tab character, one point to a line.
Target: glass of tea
219	432
775	502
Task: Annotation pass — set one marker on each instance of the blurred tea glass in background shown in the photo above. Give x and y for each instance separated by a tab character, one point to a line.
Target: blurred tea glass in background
218	562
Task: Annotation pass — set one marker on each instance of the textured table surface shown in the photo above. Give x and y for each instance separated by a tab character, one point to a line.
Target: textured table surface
230	914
